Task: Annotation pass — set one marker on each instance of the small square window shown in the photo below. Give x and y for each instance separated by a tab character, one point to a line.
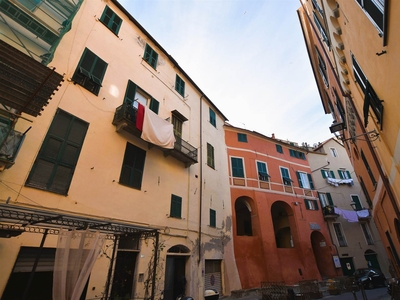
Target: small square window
111	20
150	56
333	152
279	148
180	86
242	137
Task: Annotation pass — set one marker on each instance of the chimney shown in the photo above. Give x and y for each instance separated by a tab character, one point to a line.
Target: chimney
273	135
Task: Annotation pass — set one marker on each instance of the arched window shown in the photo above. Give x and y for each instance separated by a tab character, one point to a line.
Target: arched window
243	217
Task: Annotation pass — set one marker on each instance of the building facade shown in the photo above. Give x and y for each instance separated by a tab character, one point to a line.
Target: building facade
128	151
353	50
345	210
276	211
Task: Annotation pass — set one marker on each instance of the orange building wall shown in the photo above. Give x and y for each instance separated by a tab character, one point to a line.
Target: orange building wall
258	258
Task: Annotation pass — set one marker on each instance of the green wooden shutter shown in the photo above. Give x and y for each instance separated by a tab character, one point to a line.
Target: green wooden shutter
340	174
133	166
213	218
332	174
111	20
323	172
154	105
130	93
348	174
279	148
237	167
55	164
310	181
176	206
316	204
299	179
356	200
210	155
330	201
212	118
307	204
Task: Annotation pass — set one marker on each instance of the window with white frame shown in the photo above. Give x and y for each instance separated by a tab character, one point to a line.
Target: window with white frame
322	199
367	233
326	173
344	174
286	176
340	235
262	171
305	180
375	10
333	152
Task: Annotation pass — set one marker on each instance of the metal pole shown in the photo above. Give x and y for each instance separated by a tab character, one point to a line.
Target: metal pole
113	258
153	284
28	285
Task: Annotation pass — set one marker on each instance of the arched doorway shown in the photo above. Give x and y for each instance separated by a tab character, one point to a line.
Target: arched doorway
175	272
321	252
280	212
244	225
372	259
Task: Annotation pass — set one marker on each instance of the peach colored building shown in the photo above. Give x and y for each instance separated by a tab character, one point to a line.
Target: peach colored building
354	50
278	227
127	157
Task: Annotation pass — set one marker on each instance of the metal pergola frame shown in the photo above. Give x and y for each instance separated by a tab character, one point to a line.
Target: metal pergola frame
17	219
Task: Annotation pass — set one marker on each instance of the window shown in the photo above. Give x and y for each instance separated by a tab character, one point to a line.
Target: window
150	56
262	171
333	152
325	199
339	235
297	154
90	71
367	234
213	119
356	200
340	109
311	204
55	164
371	99
210	156
322	68
316	6
365	191
370	173
213	218
375	11
242	137
132	167
327	173
111	20
279	148
30	4
176	207
305	180
237	167
135	95
180	85
343	174
321	30
177	123
285	176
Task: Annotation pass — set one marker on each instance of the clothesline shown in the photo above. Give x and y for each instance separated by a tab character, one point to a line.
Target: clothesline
351	215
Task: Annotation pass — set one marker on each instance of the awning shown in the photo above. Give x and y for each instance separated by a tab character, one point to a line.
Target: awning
25	84
15	220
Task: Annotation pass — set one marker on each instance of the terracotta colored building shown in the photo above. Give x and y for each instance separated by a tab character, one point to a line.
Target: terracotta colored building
354	52
278	228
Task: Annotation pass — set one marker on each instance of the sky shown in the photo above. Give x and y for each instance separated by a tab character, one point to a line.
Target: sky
247	56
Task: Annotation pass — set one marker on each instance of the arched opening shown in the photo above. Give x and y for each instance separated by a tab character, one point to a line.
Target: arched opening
243	217
321	252
175	272
280	212
372	259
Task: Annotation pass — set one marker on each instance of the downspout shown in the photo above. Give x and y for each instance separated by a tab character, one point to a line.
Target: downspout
201	176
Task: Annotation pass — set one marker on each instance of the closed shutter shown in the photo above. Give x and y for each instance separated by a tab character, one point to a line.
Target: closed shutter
310	181
213	278
154	105
27	256
330	201
130	93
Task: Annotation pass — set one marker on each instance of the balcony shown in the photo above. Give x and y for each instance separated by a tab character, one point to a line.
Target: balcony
125	119
10	143
329	213
364	214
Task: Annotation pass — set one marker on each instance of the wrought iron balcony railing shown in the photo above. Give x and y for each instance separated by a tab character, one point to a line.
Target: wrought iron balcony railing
329	212
125	119
10	143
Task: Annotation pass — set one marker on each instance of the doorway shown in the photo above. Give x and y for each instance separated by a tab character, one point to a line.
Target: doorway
175	277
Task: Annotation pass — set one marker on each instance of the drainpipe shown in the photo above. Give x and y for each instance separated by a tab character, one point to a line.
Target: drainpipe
201	176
